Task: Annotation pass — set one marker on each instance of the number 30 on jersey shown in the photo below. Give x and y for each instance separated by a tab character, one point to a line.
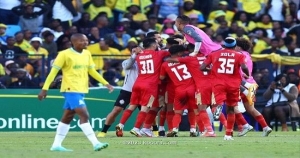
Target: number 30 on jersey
147	67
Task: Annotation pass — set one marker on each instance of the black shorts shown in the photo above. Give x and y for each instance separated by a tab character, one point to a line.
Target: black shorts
123	99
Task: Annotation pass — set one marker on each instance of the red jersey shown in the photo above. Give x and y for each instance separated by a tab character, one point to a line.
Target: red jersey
226	65
193	65
178	73
149	64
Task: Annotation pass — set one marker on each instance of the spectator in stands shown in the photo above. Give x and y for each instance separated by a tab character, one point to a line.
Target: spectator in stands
132	43
94	7
102	25
36	52
253	8
277	9
163	8
293	10
21	42
280	94
3	35
135	10
64	11
274	48
22	81
126	24
6	11
29	19
290	46
168	25
84	25
294	32
61	41
27	35
10	51
49	44
145	28
265	22
288	22
222	6
244	22
22	61
120	37
94	36
188	9
10	73
260	39
219	17
109	39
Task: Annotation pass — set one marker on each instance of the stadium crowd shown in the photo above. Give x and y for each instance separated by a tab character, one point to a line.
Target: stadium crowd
32	32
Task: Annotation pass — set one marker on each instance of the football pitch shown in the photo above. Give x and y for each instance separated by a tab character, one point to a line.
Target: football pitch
37	145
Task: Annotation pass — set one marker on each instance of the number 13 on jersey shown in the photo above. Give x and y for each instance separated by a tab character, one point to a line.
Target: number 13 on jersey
147	67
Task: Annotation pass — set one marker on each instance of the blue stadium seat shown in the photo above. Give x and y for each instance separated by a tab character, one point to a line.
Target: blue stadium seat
12	29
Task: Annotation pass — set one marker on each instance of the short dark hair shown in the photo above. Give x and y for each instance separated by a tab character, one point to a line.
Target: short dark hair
274	39
178	36
151	34
176	49
172	41
184	19
148	42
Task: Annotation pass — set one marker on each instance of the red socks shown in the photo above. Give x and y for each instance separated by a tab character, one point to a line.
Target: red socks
127	113
176	120
230	124
192	118
206	121
162	117
140	119
150	118
170	115
240	119
261	120
200	123
223	120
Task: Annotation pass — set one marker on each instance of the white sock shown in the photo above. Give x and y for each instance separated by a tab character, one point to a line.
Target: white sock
161	128
89	133
121	125
61	132
192	129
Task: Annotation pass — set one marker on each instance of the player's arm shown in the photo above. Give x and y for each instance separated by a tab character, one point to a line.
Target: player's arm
57	65
172	60
205	66
244	67
198	40
127	64
163	73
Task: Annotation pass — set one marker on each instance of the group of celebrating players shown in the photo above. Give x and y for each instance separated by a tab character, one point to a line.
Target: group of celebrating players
200	75
191	72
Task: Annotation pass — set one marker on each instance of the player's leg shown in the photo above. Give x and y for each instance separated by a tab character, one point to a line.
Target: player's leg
203	100
239	118
179	106
257	116
80	109
249	90
192	121
120	104
170	115
230	122
162	120
62	129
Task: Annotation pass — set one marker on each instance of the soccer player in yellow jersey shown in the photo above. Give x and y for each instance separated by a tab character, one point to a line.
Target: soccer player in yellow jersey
76	64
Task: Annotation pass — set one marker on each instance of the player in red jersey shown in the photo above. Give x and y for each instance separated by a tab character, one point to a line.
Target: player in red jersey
145	89
202	81
184	87
227	79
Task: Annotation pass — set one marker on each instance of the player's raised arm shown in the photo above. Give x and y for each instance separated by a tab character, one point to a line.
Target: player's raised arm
198	40
57	65
127	64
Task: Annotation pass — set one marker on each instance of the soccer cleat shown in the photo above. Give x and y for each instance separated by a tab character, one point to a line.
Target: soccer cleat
193	134
135	132
155	133
209	134
119	131
266	131
226	137
100	146
245	130
60	148
101	135
161	133
172	134
147	132
251	93
217	112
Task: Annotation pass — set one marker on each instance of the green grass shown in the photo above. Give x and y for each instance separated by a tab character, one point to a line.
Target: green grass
37	144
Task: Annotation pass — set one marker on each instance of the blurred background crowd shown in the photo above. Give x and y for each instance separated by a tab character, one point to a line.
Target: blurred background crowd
32	32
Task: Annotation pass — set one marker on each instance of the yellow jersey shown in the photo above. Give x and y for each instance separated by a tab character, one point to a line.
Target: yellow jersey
139	17
25	45
251	25
264	26
33	53
251	6
228	15
75	67
94	11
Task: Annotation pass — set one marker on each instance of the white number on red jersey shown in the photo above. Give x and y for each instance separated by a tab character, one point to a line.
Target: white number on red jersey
147	67
201	62
227	66
186	74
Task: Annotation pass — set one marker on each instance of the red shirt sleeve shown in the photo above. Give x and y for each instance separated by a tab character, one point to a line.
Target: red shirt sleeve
183	60
164	53
208	59
163	70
